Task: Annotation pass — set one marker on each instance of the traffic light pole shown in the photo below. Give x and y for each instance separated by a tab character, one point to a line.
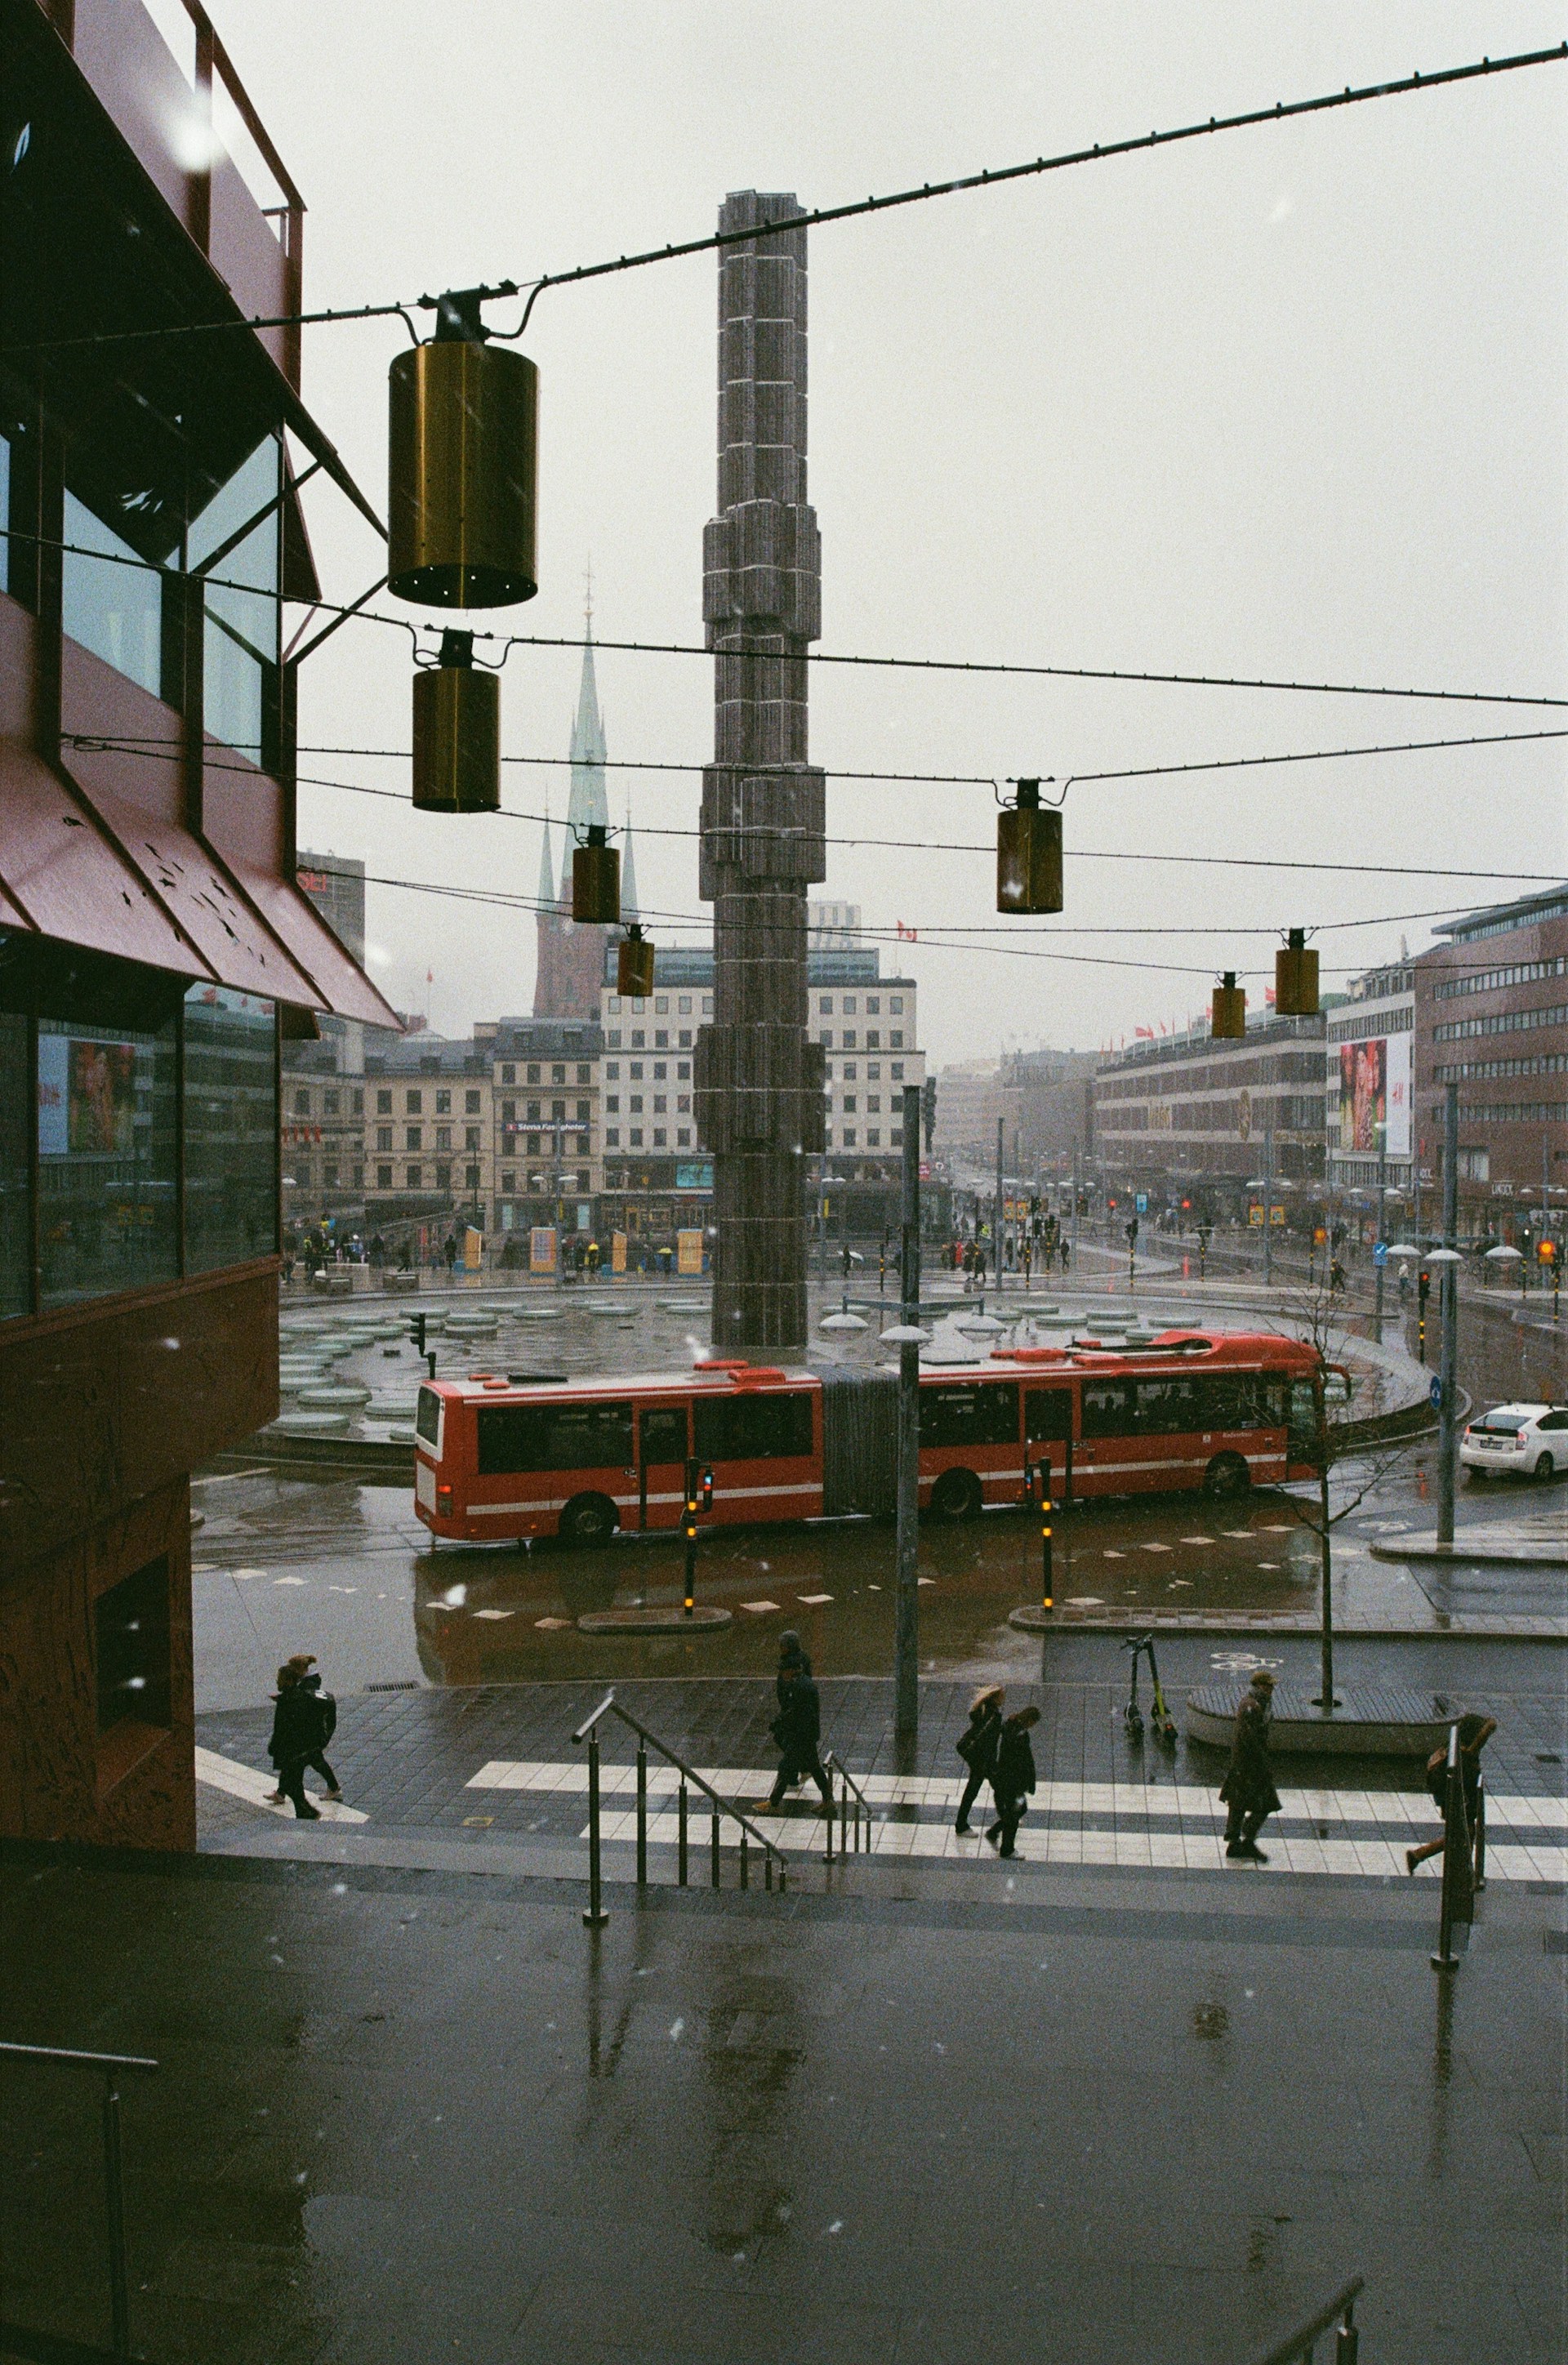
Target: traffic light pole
1448	1447
906	1605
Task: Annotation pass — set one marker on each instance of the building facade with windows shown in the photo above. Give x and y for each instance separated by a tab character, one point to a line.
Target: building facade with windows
1492	1016
657	1178
155	950
542	1158
1186	1109
426	1133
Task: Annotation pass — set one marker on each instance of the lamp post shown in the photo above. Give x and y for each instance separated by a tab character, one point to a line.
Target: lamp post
1446	1258
1380	1255
908	1337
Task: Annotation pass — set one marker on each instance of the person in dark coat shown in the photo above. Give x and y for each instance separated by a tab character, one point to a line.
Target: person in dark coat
1248	1788
1014	1777
304	1719
797	1728
1474	1733
977	1746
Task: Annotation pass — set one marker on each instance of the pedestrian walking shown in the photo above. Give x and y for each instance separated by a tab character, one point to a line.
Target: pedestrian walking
977	1746
1474	1733
797	1728
1248	1788
1013	1778
303	1720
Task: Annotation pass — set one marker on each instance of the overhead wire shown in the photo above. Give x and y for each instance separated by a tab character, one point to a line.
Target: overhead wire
820	216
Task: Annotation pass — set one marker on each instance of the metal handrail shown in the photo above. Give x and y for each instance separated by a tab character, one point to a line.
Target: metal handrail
111	2065
832	1765
1297	2349
595	1917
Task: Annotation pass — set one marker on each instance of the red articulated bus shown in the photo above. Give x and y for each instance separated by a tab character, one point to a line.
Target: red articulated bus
503	1458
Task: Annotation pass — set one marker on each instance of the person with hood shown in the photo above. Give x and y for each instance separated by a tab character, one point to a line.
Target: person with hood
303	1720
797	1728
977	1746
1248	1788
1474	1733
1014	1777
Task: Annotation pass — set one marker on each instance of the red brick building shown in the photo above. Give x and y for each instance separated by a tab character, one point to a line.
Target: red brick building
154	947
1492	1016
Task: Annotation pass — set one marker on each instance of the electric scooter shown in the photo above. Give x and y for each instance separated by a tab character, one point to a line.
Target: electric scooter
1159	1716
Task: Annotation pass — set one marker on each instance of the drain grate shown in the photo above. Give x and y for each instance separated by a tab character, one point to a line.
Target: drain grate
392	1687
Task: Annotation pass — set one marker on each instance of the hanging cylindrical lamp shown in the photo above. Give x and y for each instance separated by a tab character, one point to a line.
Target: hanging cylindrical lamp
1028	853
457	732
634	965
1295	977
1229	1017
596	879
462	467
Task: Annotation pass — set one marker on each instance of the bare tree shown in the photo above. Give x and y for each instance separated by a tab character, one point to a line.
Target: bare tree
1317	1319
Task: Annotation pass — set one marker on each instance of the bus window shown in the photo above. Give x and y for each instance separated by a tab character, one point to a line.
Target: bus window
1230	1400
514	1438
1275	1398
1048	1415
1168	1407
1107	1407
664	1433
970	1413
427	1420
1302	1413
753	1427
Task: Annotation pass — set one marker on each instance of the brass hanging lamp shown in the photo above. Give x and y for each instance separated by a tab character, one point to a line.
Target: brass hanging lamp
1295	977
1028	853
1229	1017
634	965
596	880
457	732
462	467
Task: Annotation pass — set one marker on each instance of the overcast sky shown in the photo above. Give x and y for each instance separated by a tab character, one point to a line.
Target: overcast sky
1290	401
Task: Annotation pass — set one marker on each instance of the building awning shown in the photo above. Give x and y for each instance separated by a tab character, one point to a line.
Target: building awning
340	986
66	878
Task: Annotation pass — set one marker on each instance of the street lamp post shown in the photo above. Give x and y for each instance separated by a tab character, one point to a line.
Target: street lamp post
1447	1257
1380	1258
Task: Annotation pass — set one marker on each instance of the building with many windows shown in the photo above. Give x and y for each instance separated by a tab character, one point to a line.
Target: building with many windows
543	1164
155	950
1186	1109
1492	1016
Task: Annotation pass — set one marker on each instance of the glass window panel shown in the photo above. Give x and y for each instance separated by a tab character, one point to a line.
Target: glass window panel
1107	1408
241	639
16	1246
752	1428
957	1413
110	606
231	1127
5	513
106	1143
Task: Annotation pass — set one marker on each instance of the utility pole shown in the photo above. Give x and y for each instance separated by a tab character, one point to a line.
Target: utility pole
1381	1259
1448	1445
1268	1203
906	1609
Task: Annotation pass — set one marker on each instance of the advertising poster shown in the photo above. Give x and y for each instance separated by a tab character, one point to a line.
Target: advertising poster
688	1251
1397	1076
1363	1073
472	1249
542	1249
617	1251
86	1098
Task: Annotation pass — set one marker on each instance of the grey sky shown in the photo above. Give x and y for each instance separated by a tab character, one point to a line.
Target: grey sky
1291	402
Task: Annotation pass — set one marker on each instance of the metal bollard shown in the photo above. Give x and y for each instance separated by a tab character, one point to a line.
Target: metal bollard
680	1854
715	1842
1481	1834
596	1917
641	1813
745	1873
828	1857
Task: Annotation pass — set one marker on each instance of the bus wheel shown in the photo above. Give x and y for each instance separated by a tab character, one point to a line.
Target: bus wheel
588	1520
955	1495
1226	1475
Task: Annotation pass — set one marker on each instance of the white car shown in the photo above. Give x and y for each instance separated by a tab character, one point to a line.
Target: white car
1530	1440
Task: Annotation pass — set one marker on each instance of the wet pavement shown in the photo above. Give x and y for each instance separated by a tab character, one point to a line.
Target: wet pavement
345	1570
1096	2114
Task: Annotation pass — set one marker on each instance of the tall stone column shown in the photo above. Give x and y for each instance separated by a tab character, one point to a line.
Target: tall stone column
759	1082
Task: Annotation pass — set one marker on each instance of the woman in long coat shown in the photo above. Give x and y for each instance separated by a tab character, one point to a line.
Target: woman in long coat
1248	1788
977	1746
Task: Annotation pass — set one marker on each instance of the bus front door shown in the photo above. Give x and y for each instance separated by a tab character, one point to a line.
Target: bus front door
662	1450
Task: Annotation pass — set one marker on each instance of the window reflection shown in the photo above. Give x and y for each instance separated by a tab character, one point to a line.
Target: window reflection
241	637
231	1126
112	600
106	1164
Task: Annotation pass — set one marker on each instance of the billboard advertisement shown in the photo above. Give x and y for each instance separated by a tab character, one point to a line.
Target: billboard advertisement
86	1098
1375	1090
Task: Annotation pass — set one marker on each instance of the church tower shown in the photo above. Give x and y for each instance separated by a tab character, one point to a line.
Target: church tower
571	959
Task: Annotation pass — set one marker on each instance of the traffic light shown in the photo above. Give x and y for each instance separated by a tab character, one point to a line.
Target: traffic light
417	1330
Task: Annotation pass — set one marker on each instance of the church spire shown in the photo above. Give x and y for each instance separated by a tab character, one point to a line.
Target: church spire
546	898
589	803
628	870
